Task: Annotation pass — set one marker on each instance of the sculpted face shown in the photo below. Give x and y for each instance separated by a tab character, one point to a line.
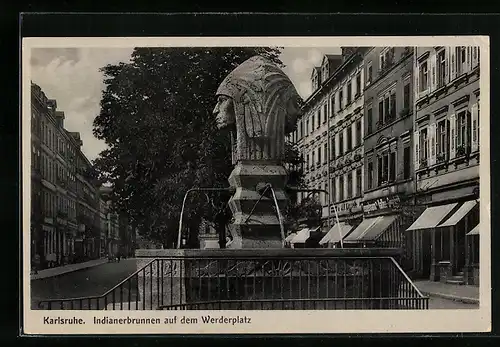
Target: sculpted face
224	112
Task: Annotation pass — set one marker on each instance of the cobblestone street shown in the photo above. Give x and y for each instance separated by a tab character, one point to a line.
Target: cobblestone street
92	281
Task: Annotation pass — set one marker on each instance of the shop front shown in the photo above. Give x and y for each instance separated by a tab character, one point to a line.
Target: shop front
444	250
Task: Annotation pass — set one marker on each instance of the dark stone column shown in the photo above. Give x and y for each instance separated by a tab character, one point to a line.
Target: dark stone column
256	223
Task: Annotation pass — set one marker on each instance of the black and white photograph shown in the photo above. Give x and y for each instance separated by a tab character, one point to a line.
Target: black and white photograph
247	176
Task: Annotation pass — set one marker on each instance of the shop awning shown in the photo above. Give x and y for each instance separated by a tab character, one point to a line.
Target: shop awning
474	231
361	229
334	235
432	216
290	237
381	225
461	213
301	236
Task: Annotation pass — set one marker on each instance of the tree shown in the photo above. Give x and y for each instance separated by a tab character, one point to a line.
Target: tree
156	118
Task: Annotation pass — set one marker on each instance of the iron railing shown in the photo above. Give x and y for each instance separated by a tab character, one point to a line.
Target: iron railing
321	282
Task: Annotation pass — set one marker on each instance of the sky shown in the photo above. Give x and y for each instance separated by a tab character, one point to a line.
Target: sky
71	76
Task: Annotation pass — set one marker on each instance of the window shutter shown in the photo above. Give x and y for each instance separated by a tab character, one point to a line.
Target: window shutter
417	82
416	139
453	136
469	58
432	144
474	56
432	73
453	63
475	129
447	57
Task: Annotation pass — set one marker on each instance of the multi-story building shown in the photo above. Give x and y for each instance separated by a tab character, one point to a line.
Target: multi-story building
387	147
446	161
65	207
329	134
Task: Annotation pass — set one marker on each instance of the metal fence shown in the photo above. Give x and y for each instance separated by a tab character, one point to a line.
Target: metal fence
258	283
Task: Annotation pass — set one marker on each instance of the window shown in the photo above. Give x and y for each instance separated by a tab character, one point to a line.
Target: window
441	68
332	150
392	108
332	191
463	129
424	149
332	109
383	169
443	140
350	187
319	118
358	84
358	132
392	167
301	129
406	96
307	126
381	112
386	59
369	73
307	161
349	93
349	138
461	60
423	76
312	161
358	182
341	188
325	153
341	98
319	155
325	112
341	142
369	121
406	162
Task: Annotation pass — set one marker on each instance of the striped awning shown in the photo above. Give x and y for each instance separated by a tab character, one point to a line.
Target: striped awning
301	236
361	229
474	231
336	233
377	229
290	237
460	213
432	216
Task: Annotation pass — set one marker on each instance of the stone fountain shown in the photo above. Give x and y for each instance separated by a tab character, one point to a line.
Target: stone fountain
260	105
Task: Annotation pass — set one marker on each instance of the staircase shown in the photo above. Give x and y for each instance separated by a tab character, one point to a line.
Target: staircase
457	279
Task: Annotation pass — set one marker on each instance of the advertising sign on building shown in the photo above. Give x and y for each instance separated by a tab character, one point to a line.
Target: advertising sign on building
393	203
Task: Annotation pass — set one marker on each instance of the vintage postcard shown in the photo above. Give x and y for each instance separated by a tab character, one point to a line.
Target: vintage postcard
256	185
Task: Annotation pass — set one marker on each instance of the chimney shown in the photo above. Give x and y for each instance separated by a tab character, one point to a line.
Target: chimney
76	137
347	52
60	119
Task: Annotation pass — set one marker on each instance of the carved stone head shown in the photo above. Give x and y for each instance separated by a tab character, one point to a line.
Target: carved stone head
259	99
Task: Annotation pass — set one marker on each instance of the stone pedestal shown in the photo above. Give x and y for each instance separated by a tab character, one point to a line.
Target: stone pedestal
445	271
434	276
256	223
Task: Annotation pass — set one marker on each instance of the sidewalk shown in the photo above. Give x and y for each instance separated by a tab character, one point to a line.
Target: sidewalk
60	270
462	293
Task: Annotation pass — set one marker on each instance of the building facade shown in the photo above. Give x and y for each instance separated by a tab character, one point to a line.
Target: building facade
66	210
387	147
446	161
329	135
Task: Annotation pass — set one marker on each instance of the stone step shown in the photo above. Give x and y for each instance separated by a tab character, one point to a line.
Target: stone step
455	281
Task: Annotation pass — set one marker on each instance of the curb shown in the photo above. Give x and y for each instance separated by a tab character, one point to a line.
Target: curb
465	300
63	272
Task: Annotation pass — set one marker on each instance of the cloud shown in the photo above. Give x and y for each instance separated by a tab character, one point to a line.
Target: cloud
300	65
73	79
315	56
